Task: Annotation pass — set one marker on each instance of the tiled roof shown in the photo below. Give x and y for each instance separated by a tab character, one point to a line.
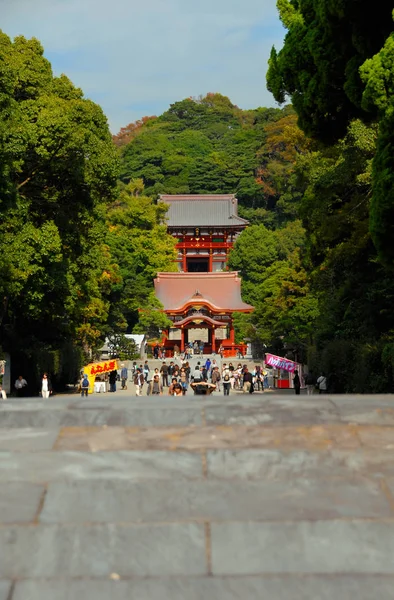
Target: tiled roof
220	290
203	210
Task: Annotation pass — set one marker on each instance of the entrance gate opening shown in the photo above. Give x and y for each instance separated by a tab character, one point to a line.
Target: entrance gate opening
197	265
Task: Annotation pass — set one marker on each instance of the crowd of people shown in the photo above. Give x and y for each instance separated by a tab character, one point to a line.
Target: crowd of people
175	379
206	377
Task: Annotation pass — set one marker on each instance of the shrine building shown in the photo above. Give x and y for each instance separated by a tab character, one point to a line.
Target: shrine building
202	296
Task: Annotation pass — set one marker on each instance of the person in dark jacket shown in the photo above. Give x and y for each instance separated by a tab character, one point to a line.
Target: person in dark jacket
112	380
296	383
310	381
164	374
247	381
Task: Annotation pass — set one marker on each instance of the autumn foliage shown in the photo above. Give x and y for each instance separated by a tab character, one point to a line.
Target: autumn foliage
128	133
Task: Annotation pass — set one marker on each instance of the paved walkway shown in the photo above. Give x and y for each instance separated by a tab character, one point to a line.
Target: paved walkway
251	497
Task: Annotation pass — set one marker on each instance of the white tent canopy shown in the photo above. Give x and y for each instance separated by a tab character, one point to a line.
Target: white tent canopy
138	338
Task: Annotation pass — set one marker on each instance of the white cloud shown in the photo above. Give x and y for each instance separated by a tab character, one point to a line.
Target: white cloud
135	57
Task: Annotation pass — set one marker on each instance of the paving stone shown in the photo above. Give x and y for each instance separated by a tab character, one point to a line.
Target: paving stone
100	550
343	587
367	401
270	414
165	501
304	547
273	463
28	439
390	483
367	415
127	417
5	587
19	502
375	436
268	463
62	466
315	437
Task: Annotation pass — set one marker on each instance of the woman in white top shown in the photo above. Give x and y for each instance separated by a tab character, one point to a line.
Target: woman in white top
46	387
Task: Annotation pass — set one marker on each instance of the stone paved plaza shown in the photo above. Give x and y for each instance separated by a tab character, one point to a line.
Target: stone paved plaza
251	497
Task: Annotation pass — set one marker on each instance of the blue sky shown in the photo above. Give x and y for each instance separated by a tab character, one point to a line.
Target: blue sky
136	57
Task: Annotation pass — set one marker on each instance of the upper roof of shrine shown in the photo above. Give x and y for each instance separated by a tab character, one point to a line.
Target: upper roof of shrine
212	210
222	291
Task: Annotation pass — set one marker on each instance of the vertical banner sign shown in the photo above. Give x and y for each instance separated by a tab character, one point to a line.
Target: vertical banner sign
100	368
278	362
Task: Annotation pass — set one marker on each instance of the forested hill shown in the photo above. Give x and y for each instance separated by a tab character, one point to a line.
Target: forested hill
209	145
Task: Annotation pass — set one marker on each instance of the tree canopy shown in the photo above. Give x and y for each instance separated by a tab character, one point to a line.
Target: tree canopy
69	274
209	145
337	65
318	67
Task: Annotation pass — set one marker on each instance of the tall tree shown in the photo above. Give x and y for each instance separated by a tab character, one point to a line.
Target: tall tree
318	67
58	171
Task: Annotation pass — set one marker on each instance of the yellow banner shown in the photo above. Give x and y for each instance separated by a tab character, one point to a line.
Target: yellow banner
99	368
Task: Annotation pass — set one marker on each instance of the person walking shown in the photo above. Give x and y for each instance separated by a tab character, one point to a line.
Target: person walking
171	387
155	387
247	381
258	378
20	385
123	377
178	391
208	364
46	386
184	380
297	383
266	381
139	382
197	375
85	385
226	378
146	371
322	383
164	374
310	382
112	380
215	378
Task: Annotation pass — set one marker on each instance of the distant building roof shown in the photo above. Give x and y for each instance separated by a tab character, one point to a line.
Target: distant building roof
211	210
221	290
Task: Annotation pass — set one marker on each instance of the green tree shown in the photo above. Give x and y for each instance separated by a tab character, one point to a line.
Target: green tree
209	145
318	67
140	247
58	171
378	76
276	283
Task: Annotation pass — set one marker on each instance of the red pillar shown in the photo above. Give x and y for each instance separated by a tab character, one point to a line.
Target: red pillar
232	333
184	261
213	339
182	340
210	261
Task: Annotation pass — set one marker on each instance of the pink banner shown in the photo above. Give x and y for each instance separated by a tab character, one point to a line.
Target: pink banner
280	363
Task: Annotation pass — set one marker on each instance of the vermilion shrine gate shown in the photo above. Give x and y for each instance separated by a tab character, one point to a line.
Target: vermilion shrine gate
201	298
